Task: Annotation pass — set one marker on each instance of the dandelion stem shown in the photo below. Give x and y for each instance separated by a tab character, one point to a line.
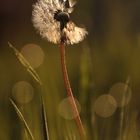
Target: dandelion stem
69	91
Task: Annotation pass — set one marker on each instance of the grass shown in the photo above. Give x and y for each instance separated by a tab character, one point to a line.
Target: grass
36	77
22	119
53	127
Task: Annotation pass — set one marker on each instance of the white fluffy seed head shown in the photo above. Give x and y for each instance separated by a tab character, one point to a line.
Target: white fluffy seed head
49	28
74	34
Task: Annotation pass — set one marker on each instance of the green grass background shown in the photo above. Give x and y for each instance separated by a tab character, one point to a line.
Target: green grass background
109	54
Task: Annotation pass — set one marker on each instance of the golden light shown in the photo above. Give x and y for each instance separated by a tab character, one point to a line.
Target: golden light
33	54
105	106
65	109
23	92
122	93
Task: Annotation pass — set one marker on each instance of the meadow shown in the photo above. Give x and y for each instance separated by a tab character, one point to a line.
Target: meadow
103	72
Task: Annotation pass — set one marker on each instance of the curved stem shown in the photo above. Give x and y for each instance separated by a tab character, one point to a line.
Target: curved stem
69	92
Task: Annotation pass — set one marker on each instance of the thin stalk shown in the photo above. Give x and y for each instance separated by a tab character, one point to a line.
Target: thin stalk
69	91
36	77
22	119
122	113
44	117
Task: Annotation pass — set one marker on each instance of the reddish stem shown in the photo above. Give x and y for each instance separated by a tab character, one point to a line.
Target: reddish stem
69	91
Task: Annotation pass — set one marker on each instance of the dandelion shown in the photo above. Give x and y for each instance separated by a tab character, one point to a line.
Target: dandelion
51	18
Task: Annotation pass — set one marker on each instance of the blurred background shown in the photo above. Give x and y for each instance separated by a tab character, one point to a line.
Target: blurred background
104	71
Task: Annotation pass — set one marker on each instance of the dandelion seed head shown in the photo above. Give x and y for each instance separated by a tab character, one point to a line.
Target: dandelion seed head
74	34
51	18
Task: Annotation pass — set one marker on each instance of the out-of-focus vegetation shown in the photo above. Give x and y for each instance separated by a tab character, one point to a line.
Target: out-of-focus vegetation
104	71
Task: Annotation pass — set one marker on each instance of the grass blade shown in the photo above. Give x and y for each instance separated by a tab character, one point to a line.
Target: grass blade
122	113
45	124
26	64
22	119
36	77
